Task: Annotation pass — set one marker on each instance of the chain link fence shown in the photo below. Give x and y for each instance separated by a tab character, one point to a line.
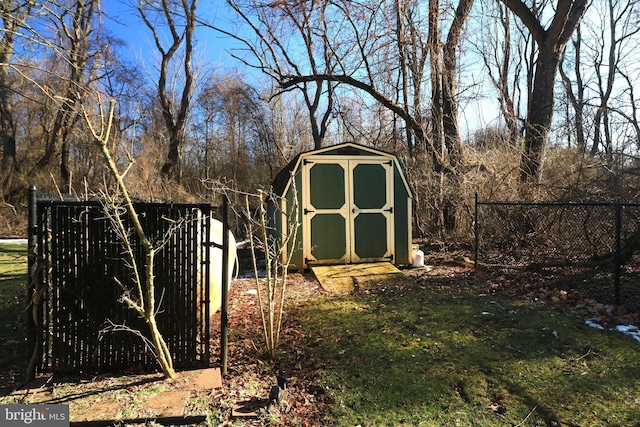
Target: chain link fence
591	248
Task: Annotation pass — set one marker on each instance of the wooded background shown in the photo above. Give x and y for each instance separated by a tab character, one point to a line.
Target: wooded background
412	77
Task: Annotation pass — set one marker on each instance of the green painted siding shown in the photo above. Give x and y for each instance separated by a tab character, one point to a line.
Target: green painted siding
326	185
369	186
402	220
370	235
329	241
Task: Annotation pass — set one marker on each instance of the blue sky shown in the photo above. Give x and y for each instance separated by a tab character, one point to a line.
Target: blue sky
126	25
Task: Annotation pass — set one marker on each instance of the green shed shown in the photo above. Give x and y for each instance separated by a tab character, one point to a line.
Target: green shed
354	206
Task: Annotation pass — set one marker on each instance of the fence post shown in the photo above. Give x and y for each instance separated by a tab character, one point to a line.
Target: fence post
476	238
33	346
32	230
224	310
616	274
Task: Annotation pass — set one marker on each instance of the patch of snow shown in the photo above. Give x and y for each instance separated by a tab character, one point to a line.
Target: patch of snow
593	324
487	313
630	330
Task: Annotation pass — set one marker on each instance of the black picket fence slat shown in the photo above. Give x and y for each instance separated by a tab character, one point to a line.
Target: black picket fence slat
79	256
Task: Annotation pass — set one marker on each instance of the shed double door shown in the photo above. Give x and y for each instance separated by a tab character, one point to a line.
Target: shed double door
347	210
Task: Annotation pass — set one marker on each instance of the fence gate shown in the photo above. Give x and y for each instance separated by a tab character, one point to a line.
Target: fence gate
80	320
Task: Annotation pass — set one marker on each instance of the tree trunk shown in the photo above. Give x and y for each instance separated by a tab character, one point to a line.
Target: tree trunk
174	116
142	299
445	106
9	160
576	98
540	114
7	126
163	355
14	14
171	168
450	126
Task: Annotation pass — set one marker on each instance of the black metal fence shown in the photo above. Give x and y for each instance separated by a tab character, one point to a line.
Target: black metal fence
79	320
589	247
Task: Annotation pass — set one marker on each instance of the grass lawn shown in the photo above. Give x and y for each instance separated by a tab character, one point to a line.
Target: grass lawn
414	355
13	283
13	296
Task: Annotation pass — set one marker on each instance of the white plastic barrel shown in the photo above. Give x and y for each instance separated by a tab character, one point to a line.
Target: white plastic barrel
418	258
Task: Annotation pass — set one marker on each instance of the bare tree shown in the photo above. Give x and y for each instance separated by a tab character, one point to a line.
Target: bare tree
413	53
633	116
597	69
501	52
575	89
140	297
363	123
444	105
179	19
278	253
279	26
236	139
364	63
121	80
551	43
72	27
76	97
620	26
444	71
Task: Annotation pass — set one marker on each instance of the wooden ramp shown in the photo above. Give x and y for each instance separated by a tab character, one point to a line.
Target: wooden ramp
346	277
